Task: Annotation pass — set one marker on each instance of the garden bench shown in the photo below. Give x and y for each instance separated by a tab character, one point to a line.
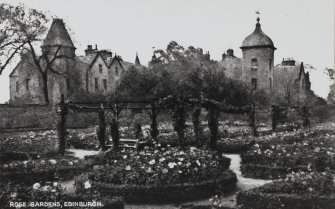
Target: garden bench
127	143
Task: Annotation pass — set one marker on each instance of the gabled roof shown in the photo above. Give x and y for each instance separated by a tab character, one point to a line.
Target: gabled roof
118	60
97	55
58	35
16	67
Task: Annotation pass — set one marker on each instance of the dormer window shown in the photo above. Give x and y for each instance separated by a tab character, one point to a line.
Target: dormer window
100	68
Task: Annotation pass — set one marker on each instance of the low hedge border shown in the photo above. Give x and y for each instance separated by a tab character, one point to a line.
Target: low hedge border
254	199
171	193
190	206
259	171
51	175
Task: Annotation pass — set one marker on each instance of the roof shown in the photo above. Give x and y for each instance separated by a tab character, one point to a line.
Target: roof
257	39
58	35
296	70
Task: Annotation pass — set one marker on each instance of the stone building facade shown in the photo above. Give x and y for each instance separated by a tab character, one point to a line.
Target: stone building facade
288	80
98	71
95	72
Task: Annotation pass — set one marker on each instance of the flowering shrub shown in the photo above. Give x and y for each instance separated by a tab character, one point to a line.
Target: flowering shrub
41	142
160	174
298	191
43	169
50	195
286	152
161	166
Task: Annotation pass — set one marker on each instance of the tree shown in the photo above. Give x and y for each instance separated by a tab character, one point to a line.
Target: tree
28	27
11	41
181	79
331	95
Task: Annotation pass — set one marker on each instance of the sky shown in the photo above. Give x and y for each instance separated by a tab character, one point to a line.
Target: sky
301	29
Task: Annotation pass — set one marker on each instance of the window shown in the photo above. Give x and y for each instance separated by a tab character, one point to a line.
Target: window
254	62
68	84
116	71
96	84
270	64
27	84
17	86
105	84
100	68
270	83
254	83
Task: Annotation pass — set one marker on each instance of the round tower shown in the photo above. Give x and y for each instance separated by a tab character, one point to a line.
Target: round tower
257	65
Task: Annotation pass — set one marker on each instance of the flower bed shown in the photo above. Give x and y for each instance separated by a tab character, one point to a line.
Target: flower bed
51	195
279	154
161	175
297	191
43	169
41	142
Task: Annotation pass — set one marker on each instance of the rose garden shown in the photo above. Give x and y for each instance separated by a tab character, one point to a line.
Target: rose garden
177	134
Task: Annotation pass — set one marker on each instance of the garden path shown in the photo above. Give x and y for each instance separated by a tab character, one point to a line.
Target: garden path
227	200
78	153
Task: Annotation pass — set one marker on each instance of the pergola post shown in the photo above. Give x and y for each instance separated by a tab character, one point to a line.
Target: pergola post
61	126
101	132
252	118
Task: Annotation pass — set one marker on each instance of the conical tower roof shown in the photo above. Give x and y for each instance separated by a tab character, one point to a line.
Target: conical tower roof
58	35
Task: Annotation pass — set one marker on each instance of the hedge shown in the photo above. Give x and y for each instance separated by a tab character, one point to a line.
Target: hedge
254	199
260	171
46	175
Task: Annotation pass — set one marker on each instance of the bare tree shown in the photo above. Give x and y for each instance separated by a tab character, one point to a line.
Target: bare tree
23	29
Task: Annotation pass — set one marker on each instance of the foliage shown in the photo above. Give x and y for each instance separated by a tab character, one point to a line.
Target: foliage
159	166
299	190
281	153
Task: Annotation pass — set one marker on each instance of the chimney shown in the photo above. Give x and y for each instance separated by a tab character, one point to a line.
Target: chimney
89	50
288	62
96	46
207	56
230	52
224	56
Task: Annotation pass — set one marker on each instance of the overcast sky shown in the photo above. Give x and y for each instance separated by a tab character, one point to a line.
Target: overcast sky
302	29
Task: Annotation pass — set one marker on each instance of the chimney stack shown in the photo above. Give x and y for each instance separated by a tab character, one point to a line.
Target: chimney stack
230	52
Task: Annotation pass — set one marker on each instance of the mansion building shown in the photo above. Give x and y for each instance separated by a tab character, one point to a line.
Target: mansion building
99	70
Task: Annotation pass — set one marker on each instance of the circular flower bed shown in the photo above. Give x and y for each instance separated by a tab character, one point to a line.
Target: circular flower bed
298	191
51	195
158	175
